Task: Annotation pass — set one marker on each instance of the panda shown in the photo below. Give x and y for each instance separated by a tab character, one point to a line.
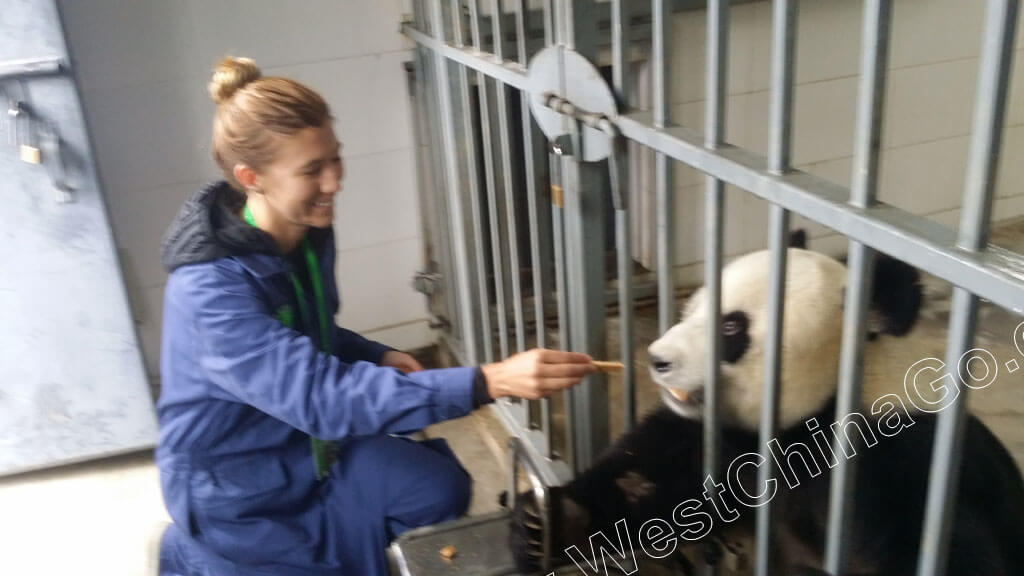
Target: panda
647	491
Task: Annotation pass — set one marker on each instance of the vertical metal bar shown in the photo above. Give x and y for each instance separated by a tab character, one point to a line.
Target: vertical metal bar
489	180
509	189
714	133
979	187
584	229
585	219
462	280
537	268
664	194
618	165
549	35
860	268
442	244
558	237
783	63
474	190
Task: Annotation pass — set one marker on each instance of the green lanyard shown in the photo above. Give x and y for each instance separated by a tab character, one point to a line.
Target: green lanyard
323	452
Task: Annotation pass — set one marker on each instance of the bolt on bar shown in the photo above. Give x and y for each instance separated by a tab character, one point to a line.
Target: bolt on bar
492	206
860	268
474	191
462	280
714	134
664	194
979	188
618	173
509	189
784	22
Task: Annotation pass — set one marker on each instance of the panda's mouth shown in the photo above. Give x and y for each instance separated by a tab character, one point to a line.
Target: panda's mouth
680	398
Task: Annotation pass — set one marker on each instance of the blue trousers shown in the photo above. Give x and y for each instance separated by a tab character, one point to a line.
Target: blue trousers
380	487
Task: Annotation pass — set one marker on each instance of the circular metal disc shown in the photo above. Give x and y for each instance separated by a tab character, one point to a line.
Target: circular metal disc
584	87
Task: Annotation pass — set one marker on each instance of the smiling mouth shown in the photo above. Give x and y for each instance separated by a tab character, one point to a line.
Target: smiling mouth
323	204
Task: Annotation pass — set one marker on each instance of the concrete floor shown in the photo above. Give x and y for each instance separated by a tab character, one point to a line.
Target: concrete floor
98	518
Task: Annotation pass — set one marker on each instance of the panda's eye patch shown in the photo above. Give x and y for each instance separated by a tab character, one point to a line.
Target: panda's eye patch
735	339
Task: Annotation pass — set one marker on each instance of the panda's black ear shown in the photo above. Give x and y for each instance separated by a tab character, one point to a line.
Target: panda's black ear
896	296
798	239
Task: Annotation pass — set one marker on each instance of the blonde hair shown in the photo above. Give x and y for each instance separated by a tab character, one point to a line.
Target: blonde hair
253	111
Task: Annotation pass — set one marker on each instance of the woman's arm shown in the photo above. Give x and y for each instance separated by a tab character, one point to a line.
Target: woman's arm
257	360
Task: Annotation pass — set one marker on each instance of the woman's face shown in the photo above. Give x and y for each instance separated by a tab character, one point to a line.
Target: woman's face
300	184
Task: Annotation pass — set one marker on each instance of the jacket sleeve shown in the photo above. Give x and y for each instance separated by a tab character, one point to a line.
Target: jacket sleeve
351	347
255	359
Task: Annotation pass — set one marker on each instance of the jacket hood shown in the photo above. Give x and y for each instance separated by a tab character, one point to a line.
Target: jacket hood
207	228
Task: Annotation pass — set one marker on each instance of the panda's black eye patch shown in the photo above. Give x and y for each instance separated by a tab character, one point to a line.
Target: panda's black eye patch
735	339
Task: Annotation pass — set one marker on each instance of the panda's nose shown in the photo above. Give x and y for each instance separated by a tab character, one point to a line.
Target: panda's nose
659	365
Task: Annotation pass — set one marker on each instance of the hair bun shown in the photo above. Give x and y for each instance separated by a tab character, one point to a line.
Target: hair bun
230	75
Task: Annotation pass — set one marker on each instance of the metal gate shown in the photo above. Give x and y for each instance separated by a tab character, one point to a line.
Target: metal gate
478	69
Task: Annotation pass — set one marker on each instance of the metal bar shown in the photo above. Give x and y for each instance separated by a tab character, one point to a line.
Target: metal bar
442	246
28	67
509	188
979	189
783	63
624	254
584	227
462	280
474	192
664	194
549	36
996	274
860	269
558	237
537	268
618	165
491	186
620	51
509	73
714	132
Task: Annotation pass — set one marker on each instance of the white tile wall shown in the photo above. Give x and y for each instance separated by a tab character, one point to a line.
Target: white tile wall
378	203
124	43
144	67
375	285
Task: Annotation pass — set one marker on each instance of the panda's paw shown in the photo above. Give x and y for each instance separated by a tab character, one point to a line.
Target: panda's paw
635	487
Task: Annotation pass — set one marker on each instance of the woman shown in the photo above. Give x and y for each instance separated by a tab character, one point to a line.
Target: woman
275	455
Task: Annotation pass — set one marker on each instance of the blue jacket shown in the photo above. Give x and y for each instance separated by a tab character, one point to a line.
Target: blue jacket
242	392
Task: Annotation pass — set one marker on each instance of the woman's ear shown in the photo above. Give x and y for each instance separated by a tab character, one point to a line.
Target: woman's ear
246	176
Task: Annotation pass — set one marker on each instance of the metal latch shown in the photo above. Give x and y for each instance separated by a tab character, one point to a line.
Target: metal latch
428	283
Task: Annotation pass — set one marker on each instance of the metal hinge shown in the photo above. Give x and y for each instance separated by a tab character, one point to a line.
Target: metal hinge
428	283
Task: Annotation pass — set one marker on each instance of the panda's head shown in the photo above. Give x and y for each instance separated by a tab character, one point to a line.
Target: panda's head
812	331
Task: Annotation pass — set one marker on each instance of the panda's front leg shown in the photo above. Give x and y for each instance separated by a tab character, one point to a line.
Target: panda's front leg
647	474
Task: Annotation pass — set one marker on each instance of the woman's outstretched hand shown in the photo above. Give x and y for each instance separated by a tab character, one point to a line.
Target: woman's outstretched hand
537	373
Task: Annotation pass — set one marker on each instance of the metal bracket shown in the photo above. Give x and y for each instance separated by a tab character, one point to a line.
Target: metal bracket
428	283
